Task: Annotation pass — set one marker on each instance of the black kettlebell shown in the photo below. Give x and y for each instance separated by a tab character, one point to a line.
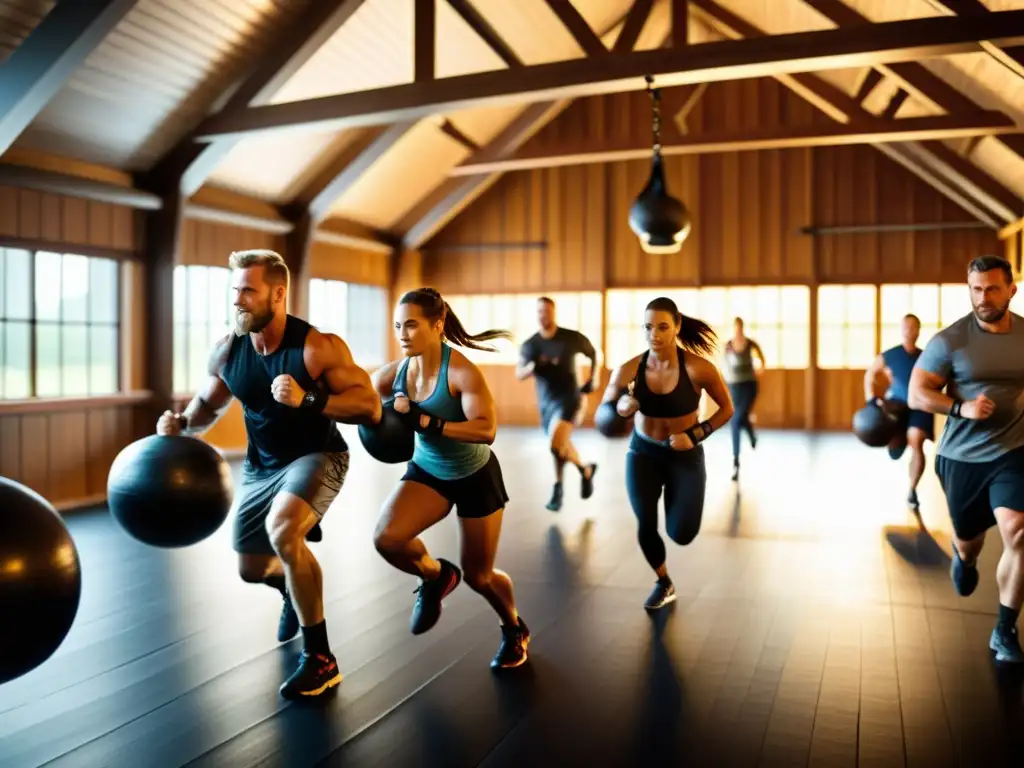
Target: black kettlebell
391	441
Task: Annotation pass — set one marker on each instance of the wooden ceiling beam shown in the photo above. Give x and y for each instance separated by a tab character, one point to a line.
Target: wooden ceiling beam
915	77
1011	58
714	61
839	106
573	20
487	33
190	162
637	17
424	44
680	31
45	61
348	168
906	129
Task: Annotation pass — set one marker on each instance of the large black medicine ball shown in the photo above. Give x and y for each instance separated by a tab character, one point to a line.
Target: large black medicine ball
875	425
169	491
40	580
391	441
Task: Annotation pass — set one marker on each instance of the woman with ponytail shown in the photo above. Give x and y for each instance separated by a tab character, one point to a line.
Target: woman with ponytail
446	402
662	387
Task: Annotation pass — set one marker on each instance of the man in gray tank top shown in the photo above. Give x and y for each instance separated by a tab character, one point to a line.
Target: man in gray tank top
979	361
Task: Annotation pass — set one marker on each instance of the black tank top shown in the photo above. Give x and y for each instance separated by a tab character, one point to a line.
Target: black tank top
683	399
278	434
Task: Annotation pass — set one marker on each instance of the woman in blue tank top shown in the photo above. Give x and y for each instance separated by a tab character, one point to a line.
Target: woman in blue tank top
447	402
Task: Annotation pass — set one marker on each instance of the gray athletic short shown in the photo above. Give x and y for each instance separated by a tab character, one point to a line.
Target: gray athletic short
315	478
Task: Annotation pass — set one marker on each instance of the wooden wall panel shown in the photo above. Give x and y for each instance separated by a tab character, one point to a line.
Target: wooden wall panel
65	454
68	224
495	250
209	243
337	262
857	185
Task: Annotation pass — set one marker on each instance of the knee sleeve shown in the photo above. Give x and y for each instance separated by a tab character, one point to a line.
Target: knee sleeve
643	485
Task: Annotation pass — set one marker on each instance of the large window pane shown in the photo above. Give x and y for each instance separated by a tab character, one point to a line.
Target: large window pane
74	360
219	296
831	304
17	284
181	358
831	347
103	357
860	347
17	360
955	301
796	349
74	289
181	294
103	291
796	305
198	353
48	360
198	306
48	286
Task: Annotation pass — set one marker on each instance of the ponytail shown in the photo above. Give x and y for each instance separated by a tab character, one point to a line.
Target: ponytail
694	335
435	308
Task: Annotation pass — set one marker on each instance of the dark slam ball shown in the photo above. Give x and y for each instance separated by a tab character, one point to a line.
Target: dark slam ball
169	491
40	580
874	427
391	441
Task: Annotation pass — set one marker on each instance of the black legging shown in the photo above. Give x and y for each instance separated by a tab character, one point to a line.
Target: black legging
744	393
649	468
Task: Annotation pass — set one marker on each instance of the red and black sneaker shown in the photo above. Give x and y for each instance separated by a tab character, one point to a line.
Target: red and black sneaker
316	675
427	610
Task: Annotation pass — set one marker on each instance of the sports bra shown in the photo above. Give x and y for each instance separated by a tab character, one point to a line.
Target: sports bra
682	400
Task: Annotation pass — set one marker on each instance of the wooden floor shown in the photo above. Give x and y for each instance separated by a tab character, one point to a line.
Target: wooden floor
816	625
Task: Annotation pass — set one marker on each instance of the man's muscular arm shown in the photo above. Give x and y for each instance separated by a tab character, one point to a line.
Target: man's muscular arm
587	350
351	395
213	396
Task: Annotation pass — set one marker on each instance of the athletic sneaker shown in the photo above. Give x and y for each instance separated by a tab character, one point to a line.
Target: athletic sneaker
660	596
965	577
427	610
1006	645
288	624
555	502
735	470
316	675
587	483
512	651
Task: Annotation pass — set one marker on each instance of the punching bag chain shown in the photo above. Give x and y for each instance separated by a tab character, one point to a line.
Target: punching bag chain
655	94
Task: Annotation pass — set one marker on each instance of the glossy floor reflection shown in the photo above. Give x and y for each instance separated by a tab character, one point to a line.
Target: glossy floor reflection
816	625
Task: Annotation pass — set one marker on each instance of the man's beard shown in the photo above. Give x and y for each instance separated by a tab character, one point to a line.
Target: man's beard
252	322
991	314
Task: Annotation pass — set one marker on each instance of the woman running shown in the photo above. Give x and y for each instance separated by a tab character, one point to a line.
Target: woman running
663	387
446	401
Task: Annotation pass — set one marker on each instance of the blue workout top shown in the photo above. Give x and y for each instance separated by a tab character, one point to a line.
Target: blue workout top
901	363
440	456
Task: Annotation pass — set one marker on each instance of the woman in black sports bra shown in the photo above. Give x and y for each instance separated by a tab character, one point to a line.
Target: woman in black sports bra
662	387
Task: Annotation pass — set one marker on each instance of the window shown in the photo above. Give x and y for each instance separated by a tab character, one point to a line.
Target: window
359	314
777	317
846	326
59	324
518	313
202	314
625	310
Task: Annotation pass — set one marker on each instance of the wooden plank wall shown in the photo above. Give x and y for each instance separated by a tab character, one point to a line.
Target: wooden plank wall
63	448
748	209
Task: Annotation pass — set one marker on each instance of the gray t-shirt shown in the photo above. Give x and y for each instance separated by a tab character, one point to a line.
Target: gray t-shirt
976	362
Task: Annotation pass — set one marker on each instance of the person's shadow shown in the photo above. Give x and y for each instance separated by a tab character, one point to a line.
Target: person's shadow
916	545
659	735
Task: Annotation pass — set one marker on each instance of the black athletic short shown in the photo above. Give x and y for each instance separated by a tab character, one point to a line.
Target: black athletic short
315	478
920	419
973	490
477	495
563	408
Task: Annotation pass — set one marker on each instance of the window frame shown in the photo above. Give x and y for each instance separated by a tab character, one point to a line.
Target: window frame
34	323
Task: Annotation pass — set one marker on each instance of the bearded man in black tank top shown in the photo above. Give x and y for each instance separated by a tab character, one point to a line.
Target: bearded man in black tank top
294	384
549	356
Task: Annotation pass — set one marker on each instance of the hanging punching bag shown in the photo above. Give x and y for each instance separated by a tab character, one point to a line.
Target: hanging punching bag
660	221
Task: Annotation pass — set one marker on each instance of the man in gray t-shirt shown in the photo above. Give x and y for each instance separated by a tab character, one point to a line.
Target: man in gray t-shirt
979	361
